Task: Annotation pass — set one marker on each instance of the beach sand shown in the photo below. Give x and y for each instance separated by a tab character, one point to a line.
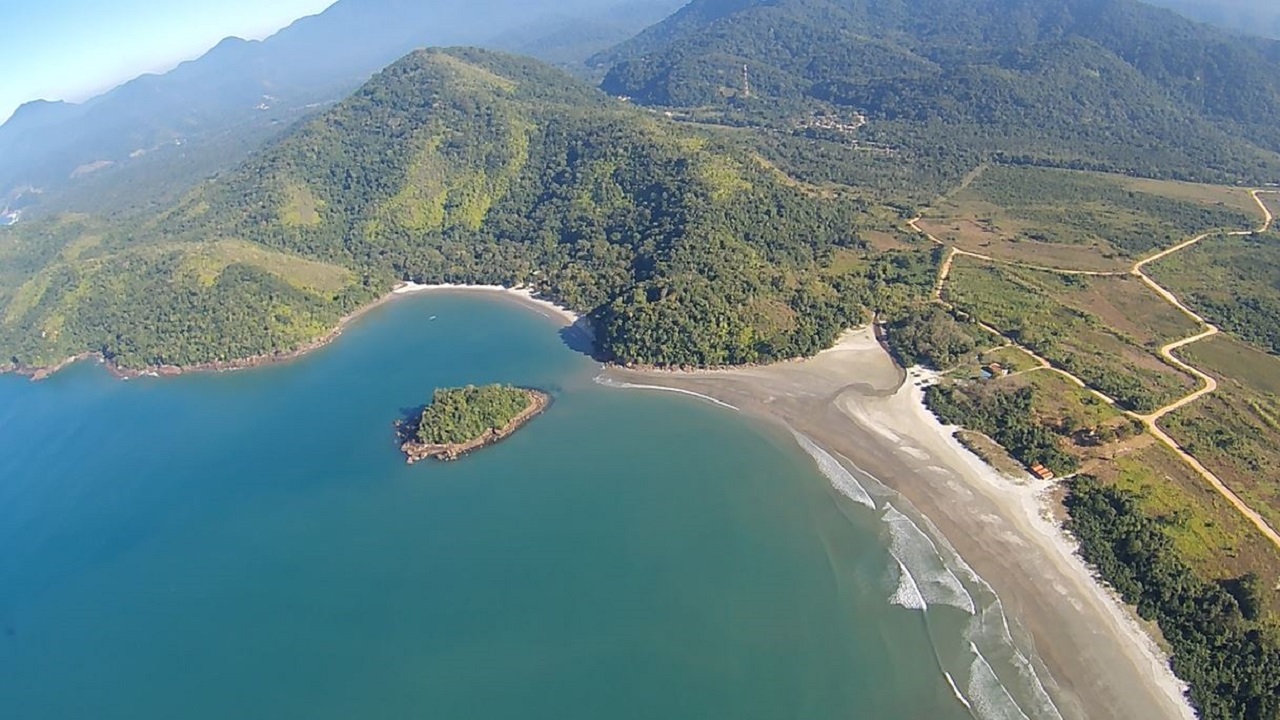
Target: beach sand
853	400
524	296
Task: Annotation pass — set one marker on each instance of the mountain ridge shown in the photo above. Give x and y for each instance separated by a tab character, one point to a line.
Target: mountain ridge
467	166
1164	76
252	88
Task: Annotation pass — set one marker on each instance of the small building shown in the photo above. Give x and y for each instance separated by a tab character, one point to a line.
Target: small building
1041	472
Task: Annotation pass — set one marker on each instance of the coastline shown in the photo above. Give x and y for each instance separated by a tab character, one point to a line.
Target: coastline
523	295
853	401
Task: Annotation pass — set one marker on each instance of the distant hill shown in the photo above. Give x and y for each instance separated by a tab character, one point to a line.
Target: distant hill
194	119
461	166
1107	84
1251	17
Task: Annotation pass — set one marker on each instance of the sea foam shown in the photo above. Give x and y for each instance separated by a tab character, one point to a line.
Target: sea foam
990	699
915	552
907	594
841	479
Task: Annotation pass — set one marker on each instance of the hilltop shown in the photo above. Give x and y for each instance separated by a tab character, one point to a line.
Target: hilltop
463	166
158	134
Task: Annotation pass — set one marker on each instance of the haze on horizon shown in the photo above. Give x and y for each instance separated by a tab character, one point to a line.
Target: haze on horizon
75	49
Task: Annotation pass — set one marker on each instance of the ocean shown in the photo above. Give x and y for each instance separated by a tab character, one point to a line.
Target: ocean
252	545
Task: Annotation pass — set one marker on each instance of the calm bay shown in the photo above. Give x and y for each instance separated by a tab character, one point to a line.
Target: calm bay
252	544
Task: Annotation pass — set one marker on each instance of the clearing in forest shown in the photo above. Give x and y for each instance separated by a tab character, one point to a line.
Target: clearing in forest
1025	306
1078	220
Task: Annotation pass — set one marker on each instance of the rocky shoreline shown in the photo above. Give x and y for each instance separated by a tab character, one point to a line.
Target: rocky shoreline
415	451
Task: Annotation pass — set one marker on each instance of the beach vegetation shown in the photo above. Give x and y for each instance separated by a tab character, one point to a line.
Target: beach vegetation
1230	663
1006	416
932	336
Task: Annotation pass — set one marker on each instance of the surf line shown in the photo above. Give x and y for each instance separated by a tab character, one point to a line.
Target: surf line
837	474
601	380
959	695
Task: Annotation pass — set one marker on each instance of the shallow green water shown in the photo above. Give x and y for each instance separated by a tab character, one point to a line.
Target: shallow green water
251	545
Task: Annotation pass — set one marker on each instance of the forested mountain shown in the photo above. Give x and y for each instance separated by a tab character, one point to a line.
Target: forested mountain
1108	84
188	122
464	166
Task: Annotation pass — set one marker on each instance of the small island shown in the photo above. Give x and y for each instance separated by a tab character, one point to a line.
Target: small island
460	420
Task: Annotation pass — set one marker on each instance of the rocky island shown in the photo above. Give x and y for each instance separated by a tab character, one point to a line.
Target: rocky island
460	420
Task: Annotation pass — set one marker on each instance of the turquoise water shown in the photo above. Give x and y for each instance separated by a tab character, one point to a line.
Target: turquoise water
251	545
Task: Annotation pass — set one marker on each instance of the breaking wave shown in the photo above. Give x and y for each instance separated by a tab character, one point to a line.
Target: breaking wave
991	625
959	695
989	697
907	594
916	553
841	479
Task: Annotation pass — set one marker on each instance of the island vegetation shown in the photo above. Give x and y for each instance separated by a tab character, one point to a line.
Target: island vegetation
460	420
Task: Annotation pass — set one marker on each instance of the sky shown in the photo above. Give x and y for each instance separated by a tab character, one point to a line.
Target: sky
75	49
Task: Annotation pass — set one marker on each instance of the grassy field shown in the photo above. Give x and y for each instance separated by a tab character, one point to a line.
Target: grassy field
209	261
1124	304
1232	281
1084	221
1108	329
1271	199
1013	359
1069	407
1025	306
1236	363
1209	534
1222	196
1235	431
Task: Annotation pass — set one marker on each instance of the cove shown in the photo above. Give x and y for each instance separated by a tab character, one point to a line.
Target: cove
253	545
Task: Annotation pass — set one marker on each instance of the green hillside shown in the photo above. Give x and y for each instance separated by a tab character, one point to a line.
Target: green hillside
1097	84
464	166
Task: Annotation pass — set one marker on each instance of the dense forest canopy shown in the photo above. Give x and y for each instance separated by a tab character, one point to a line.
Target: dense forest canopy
687	243
460	415
469	166
1098	84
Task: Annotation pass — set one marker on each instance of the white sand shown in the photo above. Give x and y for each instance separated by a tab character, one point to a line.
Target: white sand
524	294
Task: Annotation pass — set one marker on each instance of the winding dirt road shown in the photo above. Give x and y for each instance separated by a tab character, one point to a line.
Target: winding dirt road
1151	420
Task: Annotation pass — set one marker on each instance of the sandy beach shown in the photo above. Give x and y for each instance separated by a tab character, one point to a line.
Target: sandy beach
1094	658
523	295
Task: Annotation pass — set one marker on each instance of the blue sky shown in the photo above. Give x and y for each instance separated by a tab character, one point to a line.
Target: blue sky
73	49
